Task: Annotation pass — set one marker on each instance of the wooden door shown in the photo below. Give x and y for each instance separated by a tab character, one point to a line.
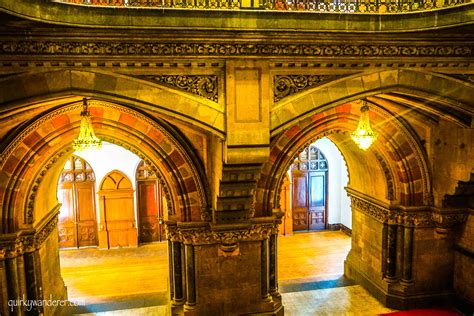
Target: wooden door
309	190
317	200
77	219
86	215
118	227
149	211
300	200
150	207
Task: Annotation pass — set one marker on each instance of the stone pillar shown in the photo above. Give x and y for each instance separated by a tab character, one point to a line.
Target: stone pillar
190	277
391	260
177	268
264	269
4	309
407	254
273	265
33	279
170	269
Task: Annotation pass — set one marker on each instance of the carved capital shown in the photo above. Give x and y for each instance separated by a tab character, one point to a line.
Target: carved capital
408	218
446	221
205	235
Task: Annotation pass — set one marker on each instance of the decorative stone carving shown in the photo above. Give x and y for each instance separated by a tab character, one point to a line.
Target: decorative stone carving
27	241
418	218
203	85
286	85
205	235
444	222
117	48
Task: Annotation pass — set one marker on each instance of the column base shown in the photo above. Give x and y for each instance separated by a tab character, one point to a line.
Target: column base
397	296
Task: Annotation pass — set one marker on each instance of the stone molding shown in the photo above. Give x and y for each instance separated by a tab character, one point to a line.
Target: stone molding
28	240
413	217
205	212
205	86
207	235
176	49
286	85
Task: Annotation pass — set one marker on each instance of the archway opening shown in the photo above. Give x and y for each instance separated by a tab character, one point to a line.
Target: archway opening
105	238
316	224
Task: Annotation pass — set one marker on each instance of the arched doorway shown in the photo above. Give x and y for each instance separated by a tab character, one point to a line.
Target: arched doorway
117	217
77	223
309	190
149	205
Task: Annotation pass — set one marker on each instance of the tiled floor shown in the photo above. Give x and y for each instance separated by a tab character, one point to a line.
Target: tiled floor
310	277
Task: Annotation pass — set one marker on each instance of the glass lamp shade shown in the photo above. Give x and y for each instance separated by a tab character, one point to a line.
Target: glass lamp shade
364	136
86	139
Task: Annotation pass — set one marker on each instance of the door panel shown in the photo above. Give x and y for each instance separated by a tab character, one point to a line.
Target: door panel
148	211
87	224
317	200
67	217
300	201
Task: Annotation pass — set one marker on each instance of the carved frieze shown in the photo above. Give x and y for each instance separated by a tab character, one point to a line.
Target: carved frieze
419	218
447	221
286	85
205	235
153	48
202	85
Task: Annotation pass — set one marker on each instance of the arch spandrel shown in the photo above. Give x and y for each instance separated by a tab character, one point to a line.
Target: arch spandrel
26	164
442	95
117	88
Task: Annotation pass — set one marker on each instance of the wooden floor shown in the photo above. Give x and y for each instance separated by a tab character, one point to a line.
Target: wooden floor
309	265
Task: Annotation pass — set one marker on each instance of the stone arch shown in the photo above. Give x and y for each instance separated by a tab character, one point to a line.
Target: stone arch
400	160
46	140
120	89
454	95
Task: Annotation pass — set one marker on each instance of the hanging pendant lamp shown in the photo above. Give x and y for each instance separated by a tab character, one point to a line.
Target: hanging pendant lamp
86	139
364	136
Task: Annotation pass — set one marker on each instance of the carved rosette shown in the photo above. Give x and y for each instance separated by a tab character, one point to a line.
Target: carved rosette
286	85
205	235
201	85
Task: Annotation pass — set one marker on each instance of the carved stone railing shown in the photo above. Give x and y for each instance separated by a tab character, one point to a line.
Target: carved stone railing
343	6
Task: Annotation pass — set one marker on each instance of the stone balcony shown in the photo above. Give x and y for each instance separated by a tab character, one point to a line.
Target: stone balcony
342	6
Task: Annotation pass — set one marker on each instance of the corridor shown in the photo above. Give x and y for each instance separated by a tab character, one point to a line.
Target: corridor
134	281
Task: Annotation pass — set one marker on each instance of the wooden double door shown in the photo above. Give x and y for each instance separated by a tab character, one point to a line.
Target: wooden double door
77	218
309	200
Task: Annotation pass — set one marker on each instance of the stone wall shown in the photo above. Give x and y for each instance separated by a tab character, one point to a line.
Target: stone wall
52	282
464	262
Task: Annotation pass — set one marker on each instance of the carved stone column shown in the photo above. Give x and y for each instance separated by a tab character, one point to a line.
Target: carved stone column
391	260
33	279
178	296
4	309
170	270
273	265
264	271
190	277
407	254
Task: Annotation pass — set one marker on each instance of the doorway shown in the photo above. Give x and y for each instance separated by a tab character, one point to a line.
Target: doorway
117	226
76	192
149	204
309	190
